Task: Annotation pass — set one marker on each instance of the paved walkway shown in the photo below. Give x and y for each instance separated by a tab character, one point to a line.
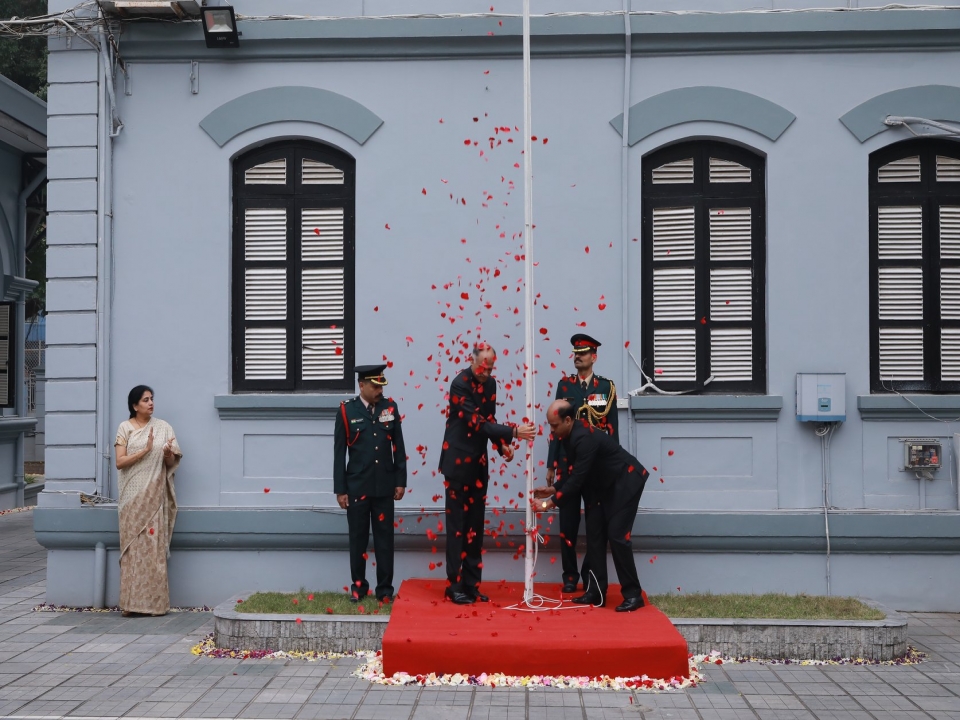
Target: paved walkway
101	665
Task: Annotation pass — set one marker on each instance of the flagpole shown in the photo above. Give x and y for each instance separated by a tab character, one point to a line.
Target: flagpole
528	283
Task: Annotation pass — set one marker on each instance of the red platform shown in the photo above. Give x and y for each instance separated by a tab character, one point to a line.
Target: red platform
428	633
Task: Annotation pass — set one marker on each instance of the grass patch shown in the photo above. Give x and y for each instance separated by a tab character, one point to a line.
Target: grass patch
29	479
300	603
769	606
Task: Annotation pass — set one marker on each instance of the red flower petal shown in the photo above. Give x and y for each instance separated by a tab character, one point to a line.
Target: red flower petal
266	490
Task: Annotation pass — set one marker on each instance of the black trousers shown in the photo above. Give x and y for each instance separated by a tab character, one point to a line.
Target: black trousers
569	530
613	526
465	507
361	515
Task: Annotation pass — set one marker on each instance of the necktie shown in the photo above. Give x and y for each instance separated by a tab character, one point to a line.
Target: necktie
583	385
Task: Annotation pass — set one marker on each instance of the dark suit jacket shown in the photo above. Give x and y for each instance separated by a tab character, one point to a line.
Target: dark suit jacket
378	459
599	393
471	424
602	470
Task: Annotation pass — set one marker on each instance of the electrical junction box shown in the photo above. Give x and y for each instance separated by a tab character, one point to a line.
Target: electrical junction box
922	454
821	397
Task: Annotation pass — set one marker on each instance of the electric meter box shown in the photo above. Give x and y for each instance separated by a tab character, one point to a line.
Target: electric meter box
821	397
922	454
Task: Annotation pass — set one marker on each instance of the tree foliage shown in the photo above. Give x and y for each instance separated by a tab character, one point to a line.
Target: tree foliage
24	60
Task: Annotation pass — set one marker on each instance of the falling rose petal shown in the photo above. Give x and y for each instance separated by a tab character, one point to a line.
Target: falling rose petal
266	490
587	249
661	479
151	531
330	610
464	296
654	468
467	142
423	192
543	331
703	321
338	350
669	452
602	306
387	226
317	230
626	344
310	597
376	308
433	566
657	371
409	339
441	120
299	621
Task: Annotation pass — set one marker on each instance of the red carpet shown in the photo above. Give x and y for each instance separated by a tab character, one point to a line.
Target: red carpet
428	633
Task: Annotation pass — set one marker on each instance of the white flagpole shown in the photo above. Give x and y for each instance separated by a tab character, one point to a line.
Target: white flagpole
528	280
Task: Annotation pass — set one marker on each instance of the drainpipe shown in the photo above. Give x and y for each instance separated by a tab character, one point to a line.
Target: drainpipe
108	129
625	219
20	270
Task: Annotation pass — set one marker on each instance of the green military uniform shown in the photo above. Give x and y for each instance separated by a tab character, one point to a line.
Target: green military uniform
596	405
377	466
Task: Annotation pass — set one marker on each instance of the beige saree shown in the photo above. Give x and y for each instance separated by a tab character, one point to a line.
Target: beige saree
148	509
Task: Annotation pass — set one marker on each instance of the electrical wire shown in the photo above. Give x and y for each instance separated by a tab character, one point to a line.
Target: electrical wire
920	409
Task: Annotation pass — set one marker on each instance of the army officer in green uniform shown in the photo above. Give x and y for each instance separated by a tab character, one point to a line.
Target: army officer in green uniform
595	400
373	479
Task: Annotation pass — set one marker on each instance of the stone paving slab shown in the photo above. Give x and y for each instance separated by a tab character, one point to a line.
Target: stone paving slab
101	665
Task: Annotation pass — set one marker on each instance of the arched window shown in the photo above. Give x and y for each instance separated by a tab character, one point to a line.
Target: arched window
915	267
293	268
704	237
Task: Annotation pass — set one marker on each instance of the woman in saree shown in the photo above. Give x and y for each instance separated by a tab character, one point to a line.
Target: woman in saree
147	459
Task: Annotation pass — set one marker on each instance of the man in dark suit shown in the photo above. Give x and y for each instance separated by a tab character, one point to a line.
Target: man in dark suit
611	481
375	477
471	424
595	399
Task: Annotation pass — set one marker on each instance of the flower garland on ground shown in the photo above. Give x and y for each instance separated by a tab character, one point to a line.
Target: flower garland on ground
43	607
15	510
371	669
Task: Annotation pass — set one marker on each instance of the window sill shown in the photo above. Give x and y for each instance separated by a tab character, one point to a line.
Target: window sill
278	406
705	408
896	407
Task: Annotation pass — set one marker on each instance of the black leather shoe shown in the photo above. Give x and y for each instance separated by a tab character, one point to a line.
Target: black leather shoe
569	588
479	596
385	599
589	599
354	599
458	597
630	604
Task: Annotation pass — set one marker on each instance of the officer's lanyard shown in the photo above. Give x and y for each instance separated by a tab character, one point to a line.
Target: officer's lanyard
346	425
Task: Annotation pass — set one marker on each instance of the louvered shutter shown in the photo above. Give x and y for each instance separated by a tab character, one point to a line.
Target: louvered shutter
293	268
674	173
727	171
6	354
323	280
273	172
731	282
265	294
948	169
903	170
703	226
674	293
915	267
900	287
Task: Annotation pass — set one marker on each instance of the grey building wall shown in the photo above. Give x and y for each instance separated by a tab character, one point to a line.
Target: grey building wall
170	299
71	269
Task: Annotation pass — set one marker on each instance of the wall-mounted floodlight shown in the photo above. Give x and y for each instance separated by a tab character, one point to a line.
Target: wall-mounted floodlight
220	27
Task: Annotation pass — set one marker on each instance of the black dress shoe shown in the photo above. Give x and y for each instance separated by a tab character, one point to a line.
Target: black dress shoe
479	596
459	598
630	604
354	599
589	599
569	588
385	599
